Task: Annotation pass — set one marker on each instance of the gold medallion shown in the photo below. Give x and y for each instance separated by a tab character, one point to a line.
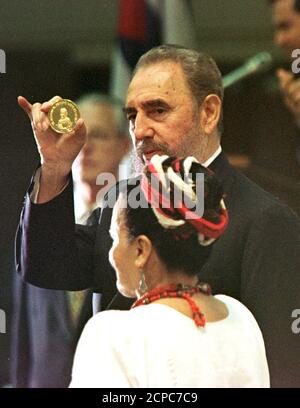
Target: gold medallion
63	116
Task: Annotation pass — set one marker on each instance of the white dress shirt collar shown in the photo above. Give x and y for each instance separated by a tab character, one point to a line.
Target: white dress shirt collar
212	157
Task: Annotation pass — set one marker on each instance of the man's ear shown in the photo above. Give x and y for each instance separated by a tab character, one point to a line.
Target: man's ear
210	112
143	250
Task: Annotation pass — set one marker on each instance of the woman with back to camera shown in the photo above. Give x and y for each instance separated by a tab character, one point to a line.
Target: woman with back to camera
176	334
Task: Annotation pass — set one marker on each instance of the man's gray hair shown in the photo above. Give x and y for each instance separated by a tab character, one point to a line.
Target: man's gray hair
201	71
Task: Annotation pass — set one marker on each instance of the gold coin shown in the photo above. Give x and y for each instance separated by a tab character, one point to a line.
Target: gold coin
63	116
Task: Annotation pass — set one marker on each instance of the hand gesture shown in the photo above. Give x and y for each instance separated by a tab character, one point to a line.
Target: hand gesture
57	151
290	88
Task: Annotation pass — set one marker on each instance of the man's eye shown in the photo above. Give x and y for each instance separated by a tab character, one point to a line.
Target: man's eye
131	118
159	111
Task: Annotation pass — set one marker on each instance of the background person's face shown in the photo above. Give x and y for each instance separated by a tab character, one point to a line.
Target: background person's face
163	116
286	22
104	148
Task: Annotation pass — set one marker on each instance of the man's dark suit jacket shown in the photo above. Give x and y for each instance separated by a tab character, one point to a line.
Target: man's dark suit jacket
44	337
257	260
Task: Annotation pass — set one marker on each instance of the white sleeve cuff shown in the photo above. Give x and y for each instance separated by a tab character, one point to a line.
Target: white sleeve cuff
36	188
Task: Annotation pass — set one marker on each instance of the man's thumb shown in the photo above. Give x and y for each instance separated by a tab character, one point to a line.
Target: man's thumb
284	76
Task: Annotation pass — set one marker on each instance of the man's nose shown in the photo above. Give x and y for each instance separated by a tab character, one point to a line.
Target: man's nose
143	127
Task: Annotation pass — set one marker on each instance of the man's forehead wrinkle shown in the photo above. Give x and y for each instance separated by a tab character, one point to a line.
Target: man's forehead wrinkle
156	96
165	83
159	73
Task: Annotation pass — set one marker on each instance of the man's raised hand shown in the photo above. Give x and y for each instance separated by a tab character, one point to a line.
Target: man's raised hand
57	150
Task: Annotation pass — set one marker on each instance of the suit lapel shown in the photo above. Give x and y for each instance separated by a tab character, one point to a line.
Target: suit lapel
224	172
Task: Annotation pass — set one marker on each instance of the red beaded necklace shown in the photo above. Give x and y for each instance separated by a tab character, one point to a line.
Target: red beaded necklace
177	291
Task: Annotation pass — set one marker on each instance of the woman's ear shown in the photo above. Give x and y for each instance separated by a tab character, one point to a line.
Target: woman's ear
210	113
143	250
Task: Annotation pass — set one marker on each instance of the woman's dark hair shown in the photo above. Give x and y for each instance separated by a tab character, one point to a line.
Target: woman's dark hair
178	248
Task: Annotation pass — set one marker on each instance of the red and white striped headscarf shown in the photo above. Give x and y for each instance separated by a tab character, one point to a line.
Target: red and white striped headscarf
162	176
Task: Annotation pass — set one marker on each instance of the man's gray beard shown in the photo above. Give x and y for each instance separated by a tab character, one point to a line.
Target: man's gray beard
186	149
137	162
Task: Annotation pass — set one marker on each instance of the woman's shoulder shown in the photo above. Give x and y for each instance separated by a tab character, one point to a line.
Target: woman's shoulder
108	317
232	304
238	312
116	318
